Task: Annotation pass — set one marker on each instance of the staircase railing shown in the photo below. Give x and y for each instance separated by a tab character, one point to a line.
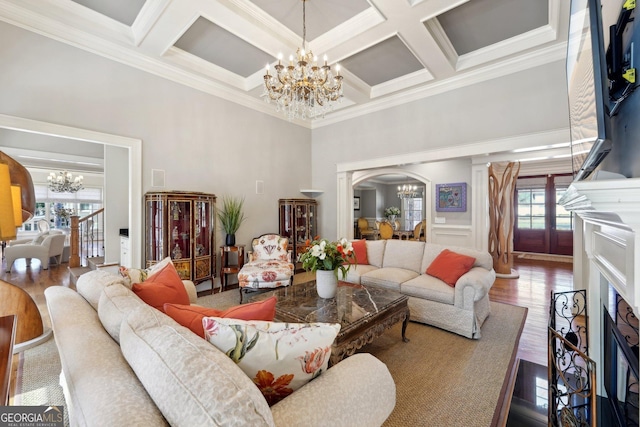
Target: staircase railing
87	238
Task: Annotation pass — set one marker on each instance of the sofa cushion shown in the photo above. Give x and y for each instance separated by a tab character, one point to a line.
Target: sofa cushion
375	252
449	266
116	302
190	381
429	288
356	271
91	284
191	316
389	278
403	254
278	357
360	251
269	273
165	286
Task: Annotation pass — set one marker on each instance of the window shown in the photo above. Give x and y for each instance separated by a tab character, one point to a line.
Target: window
531	209
411	212
564	220
51	206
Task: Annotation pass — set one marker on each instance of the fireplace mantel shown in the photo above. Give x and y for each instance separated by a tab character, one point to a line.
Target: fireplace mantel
606	251
610	213
609	202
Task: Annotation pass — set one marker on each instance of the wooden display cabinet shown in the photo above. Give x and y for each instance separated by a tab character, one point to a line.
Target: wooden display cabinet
298	222
181	225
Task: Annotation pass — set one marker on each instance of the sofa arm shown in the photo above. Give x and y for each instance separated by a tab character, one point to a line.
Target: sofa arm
191	291
358	391
473	286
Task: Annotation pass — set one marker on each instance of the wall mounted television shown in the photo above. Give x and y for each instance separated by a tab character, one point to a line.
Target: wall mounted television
603	107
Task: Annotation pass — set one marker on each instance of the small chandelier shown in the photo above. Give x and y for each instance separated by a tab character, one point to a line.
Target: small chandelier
407	191
64	182
303	89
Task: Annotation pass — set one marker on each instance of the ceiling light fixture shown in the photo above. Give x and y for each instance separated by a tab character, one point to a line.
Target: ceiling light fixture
303	89
64	182
407	191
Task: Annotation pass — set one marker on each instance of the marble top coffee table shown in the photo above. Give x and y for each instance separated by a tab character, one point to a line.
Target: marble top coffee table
364	312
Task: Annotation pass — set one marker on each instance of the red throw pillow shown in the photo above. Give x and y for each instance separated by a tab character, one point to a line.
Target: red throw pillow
190	316
449	266
164	286
360	250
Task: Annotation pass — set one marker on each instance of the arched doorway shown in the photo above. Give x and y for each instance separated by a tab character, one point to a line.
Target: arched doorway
375	190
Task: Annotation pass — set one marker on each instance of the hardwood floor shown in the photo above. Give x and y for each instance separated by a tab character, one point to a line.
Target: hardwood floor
532	290
538	279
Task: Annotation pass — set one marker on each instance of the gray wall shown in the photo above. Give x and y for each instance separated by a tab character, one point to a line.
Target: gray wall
527	102
203	143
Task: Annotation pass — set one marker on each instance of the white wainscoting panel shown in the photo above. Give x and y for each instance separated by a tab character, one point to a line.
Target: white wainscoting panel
453	235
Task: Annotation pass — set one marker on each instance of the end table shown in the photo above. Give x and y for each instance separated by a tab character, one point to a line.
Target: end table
226	266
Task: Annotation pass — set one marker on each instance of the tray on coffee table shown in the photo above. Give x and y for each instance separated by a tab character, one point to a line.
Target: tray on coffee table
364	312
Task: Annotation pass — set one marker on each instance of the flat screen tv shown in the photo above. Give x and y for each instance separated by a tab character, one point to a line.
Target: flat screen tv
603	107
587	86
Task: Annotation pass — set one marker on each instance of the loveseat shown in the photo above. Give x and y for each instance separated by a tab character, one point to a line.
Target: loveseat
401	265
127	363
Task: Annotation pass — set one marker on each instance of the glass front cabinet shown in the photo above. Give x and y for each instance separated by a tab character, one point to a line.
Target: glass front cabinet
298	222
181	225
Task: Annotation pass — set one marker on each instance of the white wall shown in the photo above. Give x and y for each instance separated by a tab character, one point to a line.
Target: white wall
115	196
520	104
203	143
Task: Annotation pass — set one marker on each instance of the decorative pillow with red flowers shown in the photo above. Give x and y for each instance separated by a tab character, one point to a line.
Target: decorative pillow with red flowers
279	357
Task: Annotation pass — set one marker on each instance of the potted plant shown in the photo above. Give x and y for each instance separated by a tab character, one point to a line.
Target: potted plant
231	216
326	258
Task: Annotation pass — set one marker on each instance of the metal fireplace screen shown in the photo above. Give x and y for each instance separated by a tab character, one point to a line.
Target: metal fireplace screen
572	380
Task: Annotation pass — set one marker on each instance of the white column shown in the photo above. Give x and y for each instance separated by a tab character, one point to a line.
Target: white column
344	204
480	206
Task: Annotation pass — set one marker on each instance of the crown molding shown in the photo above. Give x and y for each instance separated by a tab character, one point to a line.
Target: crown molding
80	27
476	150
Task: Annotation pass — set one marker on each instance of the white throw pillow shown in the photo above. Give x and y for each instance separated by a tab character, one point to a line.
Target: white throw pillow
278	357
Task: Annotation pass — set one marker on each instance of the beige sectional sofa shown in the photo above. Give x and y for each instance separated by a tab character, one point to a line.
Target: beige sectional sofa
126	363
401	265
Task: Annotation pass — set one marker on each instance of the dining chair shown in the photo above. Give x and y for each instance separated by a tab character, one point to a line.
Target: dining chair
386	230
364	229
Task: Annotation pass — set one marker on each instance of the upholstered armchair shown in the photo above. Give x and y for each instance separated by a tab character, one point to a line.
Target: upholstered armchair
43	247
269	265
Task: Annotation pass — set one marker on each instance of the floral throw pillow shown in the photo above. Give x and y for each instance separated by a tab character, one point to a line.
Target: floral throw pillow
279	357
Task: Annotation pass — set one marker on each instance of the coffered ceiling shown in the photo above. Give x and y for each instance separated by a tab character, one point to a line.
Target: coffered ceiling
390	51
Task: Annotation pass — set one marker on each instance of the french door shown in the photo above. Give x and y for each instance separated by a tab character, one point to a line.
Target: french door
542	226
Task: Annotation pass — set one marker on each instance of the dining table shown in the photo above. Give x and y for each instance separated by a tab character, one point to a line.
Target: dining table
403	234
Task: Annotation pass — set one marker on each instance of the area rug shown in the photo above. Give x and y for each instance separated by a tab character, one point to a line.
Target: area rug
442	379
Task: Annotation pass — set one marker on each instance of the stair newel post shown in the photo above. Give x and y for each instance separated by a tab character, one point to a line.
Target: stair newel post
74	258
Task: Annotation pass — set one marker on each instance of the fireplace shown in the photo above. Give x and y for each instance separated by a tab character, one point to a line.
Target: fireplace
620	359
607	266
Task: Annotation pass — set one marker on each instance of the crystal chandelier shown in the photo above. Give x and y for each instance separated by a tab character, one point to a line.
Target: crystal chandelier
303	89
407	191
64	182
